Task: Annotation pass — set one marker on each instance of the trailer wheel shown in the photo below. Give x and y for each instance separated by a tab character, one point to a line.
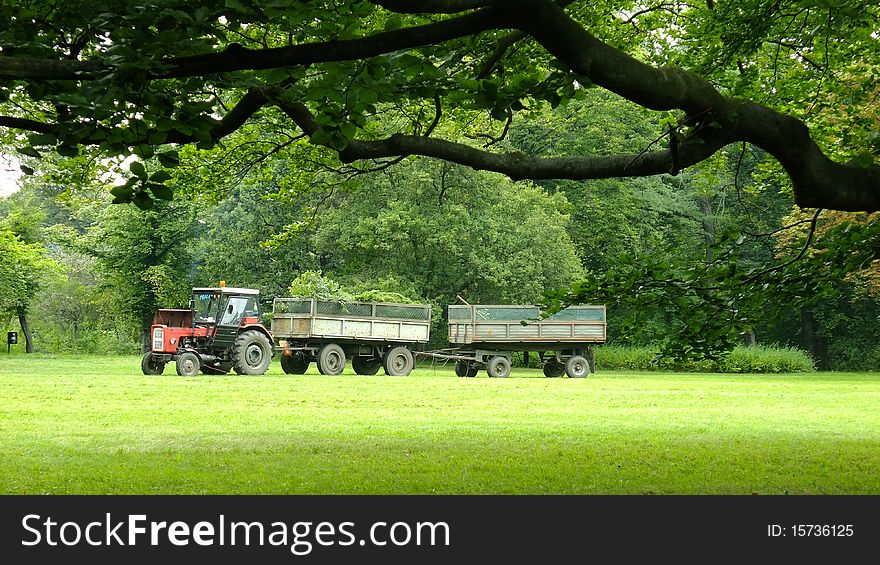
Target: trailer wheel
498	367
552	369
465	369
188	364
150	365
294	364
577	367
251	353
365	365
331	359
399	362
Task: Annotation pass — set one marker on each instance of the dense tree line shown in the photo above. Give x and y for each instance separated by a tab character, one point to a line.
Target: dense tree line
438	232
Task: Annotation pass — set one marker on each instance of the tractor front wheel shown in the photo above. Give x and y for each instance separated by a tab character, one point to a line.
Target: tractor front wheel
150	365
251	353
188	364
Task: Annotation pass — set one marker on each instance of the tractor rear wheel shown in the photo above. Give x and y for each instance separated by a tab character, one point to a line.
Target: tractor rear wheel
365	365
294	364
251	353
188	364
399	362
150	365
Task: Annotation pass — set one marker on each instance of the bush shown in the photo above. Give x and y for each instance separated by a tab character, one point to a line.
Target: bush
755	359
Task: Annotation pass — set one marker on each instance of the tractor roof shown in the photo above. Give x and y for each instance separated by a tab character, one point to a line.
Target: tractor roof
229	290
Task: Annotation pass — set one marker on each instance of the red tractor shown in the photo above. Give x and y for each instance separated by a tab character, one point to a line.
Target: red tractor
221	330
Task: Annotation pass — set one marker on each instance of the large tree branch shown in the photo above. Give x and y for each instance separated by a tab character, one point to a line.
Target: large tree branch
33	68
26	124
517	166
239	58
247	106
716	119
431	6
818	181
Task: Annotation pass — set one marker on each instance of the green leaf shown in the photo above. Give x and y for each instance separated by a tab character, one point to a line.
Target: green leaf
164	124
321	137
29	151
157	137
863	159
68	150
142	200
348	130
160	176
42	139
137	169
367	96
144	151
121	190
169	159
161	191
394	22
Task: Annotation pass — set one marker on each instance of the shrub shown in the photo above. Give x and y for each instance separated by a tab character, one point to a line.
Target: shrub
755	359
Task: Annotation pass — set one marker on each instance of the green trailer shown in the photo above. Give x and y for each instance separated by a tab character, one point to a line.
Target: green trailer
485	336
371	334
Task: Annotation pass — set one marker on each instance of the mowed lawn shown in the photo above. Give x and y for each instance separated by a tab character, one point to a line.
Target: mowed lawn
97	425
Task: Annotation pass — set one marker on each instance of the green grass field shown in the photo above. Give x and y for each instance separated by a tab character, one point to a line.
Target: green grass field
97	425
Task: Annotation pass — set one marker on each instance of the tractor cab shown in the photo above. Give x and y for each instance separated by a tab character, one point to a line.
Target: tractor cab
222	311
220	331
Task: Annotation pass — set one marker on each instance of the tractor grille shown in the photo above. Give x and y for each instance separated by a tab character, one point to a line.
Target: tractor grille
158	339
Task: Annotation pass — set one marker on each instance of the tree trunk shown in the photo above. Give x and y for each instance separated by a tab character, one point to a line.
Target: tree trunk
708	222
815	343
590	354
146	336
26	330
749	338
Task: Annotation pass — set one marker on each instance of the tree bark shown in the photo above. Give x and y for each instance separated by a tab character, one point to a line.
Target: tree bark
708	220
813	341
146	336
26	330
590	354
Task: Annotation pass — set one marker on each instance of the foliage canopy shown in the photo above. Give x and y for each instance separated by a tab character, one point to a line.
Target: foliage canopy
371	80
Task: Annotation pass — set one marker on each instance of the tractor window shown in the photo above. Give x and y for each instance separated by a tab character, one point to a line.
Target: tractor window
251	309
205	307
234	311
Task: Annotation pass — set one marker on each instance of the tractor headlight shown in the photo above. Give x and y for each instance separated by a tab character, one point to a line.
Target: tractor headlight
158	339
